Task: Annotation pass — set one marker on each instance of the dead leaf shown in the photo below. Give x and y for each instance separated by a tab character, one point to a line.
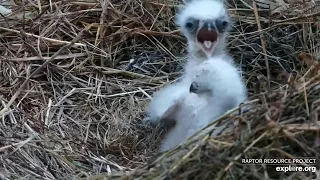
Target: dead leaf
276	6
308	59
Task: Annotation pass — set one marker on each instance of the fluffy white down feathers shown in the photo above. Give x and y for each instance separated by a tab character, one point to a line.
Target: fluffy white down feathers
166	98
195	111
173	93
217	84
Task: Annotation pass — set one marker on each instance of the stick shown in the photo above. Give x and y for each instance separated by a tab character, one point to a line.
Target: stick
44	38
14	97
262	42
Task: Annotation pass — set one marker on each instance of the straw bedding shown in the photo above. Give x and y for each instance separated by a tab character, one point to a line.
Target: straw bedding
76	76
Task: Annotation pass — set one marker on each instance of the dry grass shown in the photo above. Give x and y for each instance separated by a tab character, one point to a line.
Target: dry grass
75	77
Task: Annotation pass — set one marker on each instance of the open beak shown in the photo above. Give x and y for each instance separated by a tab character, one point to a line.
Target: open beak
208	38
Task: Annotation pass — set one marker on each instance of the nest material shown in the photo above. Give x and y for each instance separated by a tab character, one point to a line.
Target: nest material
75	78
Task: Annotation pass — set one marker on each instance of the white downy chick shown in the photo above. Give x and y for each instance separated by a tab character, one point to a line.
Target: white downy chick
205	24
165	100
216	88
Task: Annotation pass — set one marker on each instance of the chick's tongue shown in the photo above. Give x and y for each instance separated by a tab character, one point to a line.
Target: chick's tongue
207	44
207	38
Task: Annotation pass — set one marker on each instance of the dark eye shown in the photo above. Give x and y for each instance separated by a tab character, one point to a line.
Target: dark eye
189	25
221	25
224	23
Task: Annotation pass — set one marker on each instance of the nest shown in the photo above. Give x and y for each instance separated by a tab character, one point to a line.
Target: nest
76	76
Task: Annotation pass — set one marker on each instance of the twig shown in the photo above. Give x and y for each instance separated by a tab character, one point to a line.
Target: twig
44	38
101	29
245	150
19	144
13	98
299	127
35	58
262	42
297	18
179	162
